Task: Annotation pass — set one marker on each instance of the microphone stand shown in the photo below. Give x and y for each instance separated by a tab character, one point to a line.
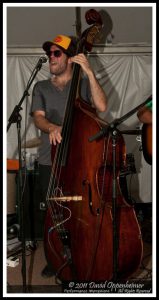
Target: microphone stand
112	130
15	117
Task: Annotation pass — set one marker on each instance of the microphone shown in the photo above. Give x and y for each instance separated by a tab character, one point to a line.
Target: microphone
43	59
104	131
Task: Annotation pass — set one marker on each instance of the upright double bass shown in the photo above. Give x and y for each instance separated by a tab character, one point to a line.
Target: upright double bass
78	233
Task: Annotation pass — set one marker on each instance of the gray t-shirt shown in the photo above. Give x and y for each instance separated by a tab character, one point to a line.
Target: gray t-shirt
48	98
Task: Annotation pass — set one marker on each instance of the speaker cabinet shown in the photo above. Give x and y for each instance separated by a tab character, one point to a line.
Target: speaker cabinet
33	207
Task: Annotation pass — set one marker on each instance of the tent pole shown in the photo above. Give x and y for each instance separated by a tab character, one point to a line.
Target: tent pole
78	22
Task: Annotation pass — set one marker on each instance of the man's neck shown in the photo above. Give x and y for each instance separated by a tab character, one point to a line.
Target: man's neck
60	81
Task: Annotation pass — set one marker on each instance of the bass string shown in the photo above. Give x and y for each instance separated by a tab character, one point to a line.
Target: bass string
56	208
61	151
53	187
64	130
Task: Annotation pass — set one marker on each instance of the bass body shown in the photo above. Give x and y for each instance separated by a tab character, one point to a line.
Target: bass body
79	222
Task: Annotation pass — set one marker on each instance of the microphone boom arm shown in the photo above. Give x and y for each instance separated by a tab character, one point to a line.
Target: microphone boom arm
103	132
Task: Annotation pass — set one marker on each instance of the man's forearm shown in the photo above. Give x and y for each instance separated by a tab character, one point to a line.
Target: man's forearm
98	95
43	124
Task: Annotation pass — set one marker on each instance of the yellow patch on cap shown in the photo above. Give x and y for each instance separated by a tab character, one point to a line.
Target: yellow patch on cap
62	40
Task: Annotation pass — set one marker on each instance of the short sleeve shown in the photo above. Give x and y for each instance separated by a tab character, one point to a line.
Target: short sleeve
37	99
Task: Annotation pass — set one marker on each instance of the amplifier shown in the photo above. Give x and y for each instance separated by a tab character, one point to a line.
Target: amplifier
34	208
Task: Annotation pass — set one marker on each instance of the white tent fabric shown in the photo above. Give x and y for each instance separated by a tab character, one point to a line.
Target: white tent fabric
127	81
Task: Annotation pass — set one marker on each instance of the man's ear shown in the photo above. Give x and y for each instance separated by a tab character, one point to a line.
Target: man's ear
69	60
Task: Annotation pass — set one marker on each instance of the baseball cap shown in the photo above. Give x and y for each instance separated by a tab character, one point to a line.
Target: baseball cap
66	43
